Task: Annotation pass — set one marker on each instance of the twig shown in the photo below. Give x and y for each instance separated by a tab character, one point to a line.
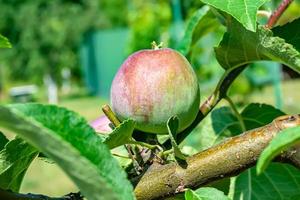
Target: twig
278	13
236	112
9	195
223	160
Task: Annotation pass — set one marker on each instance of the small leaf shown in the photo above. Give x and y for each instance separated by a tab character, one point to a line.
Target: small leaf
4	43
173	124
3	140
285	139
121	134
240	46
202	22
290	32
205	193
243	11
71	143
15	159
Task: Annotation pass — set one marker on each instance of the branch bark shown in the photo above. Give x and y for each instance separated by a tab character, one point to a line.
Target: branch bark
9	195
223	160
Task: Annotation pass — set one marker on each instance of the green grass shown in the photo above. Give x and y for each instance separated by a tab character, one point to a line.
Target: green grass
290	96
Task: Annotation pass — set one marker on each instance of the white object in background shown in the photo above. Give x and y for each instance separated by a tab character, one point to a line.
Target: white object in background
51	89
66	82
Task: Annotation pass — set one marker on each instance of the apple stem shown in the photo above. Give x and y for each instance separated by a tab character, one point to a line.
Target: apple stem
110	115
156	46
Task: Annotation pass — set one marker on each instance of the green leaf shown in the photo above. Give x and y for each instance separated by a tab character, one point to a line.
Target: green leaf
279	181
243	11
3	140
240	46
222	123
15	159
4	43
285	139
69	141
173	124
205	193
290	32
202	22
121	134
254	115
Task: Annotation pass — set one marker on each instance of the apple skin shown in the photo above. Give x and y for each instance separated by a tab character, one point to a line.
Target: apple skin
153	85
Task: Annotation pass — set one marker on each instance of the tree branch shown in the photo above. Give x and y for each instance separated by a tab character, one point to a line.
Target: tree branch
9	195
278	13
223	160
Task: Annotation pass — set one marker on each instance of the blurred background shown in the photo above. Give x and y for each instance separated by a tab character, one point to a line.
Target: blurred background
66	52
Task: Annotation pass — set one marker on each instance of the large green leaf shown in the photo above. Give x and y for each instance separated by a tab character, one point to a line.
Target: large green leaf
15	159
67	139
202	22
240	46
121	134
279	181
243	11
290	32
4	43
285	139
205	193
3	140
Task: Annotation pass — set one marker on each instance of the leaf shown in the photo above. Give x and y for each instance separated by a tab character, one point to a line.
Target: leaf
254	115
121	134
285	139
222	123
3	140
205	193
69	141
173	124
243	11
4	43
15	159
290	32
279	181
240	46
202	22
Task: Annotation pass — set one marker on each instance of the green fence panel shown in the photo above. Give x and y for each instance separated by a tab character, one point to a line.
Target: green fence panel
102	53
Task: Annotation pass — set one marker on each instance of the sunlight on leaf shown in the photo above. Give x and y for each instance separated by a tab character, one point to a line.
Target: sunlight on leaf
242	10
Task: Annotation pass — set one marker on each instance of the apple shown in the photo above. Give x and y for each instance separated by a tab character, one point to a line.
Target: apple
153	85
